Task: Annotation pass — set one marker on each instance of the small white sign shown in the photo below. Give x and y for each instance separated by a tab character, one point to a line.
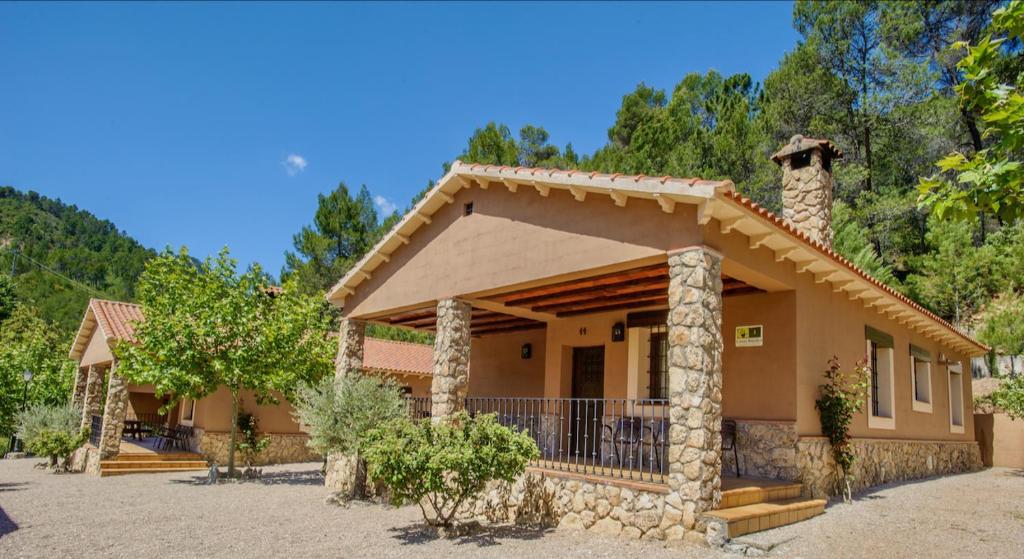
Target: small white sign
750	336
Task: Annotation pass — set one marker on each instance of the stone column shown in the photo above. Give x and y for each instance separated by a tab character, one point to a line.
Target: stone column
81	382
351	336
695	382
93	395
113	415
451	357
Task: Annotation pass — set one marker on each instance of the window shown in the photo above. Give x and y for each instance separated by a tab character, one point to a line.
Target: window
956	398
881	404
188	411
658	358
921	379
467	209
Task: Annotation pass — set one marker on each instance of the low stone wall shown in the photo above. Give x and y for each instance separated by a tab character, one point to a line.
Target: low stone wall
85	459
766	449
283	448
882	461
567	501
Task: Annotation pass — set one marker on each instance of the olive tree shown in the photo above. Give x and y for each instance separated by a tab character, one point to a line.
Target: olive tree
207	326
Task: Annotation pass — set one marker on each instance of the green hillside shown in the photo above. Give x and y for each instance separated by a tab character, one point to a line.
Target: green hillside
94	258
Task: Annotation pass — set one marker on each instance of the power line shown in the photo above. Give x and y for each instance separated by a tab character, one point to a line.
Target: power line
44	267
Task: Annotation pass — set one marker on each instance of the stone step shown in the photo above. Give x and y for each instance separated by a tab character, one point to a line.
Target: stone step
151	464
759	492
747	519
125	471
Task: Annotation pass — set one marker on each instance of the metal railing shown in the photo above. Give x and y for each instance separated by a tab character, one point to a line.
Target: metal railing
617	438
152	420
418	406
96	430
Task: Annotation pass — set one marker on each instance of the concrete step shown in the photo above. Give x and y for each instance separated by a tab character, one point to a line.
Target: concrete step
759	491
747	519
151	464
125	471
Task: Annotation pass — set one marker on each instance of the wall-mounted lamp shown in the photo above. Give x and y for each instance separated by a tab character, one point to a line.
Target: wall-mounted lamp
527	351
618	332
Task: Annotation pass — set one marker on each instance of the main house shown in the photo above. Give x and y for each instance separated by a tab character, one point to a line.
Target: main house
194	431
630	323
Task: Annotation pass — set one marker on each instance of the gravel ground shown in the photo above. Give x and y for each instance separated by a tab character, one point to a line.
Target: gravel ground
177	515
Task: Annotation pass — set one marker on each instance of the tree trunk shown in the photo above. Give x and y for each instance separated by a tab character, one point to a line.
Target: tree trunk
359	483
234	432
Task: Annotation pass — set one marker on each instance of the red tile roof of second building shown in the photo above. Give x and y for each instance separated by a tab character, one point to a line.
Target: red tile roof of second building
401	357
117	319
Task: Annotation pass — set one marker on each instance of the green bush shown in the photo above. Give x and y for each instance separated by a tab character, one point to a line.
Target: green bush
341	412
445	463
52	431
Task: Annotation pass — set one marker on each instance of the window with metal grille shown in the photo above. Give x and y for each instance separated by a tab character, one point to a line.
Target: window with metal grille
658	355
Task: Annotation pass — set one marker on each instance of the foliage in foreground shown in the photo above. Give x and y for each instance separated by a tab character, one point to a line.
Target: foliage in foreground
842	396
341	413
444	463
250	444
208	326
52	431
1009	397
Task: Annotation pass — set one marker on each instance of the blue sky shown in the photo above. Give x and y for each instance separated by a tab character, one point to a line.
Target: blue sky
217	124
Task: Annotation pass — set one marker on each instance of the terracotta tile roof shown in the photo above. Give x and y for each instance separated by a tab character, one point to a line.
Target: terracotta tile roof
116	319
548	172
398	357
835	256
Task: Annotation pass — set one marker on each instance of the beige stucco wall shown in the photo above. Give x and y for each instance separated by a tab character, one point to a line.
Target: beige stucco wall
1001	439
96	350
213	413
517	238
497	368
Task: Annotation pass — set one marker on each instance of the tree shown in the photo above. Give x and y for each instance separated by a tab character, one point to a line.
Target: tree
341	413
990	180
7	297
53	431
851	240
29	343
208	326
1003	326
494	145
954	279
343	230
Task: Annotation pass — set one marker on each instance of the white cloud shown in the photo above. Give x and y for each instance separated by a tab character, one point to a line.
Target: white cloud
294	164
385	206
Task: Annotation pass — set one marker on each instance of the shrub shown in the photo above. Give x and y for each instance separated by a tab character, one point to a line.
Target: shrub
249	442
445	463
52	431
340	413
841	397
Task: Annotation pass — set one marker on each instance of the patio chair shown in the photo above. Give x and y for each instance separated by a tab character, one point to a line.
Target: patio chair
729	442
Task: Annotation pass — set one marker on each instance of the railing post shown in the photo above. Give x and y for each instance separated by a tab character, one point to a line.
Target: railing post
695	382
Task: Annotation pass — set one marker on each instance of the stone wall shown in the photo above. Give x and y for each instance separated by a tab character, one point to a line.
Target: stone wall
451	357
572	502
883	461
283	448
93	397
351	338
113	415
767	449
85	459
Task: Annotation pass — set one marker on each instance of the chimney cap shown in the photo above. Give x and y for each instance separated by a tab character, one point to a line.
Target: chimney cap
799	144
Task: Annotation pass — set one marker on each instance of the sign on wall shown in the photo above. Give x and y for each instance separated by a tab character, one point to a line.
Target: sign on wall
750	336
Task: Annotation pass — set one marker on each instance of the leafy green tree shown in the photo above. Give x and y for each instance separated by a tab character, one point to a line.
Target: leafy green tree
494	145
955	279
7	297
990	180
1003	326
444	463
344	228
208	326
851	240
29	343
341	413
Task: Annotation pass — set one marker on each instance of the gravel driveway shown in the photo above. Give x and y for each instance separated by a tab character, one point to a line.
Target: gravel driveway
176	515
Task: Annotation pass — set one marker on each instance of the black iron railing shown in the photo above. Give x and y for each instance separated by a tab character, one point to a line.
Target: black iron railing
96	430
418	406
151	420
606	437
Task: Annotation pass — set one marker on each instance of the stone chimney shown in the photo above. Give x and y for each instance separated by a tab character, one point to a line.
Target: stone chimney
807	186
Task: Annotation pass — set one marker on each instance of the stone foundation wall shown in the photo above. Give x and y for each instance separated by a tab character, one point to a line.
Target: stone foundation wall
616	508
283	448
883	461
85	459
766	449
